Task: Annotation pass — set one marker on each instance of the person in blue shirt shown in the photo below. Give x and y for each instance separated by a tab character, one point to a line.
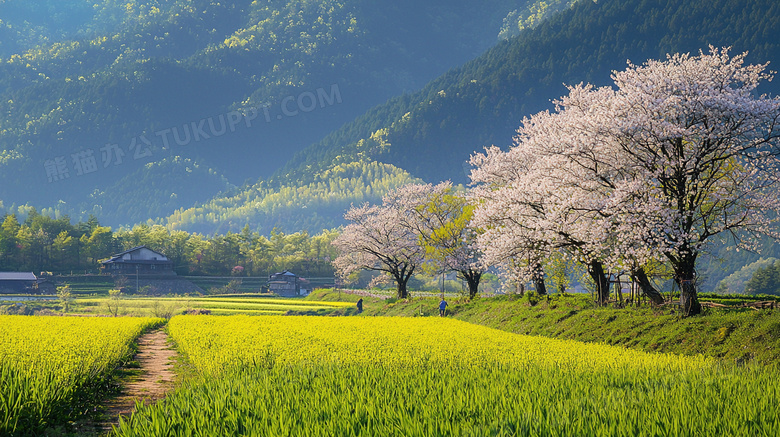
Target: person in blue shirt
442	307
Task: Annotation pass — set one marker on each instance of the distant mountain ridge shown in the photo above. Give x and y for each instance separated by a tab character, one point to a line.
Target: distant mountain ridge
176	66
431	133
81	77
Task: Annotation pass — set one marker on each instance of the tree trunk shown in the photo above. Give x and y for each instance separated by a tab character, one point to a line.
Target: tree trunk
596	271
689	300
640	277
401	291
472	278
402	276
538	279
685	275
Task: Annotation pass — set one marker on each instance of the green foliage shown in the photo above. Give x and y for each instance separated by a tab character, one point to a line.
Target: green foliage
448	231
735	283
232	287
315	205
163	310
518	20
79	247
561	270
765	280
156	190
65	296
114	302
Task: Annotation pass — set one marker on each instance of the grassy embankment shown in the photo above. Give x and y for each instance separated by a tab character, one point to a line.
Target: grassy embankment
731	334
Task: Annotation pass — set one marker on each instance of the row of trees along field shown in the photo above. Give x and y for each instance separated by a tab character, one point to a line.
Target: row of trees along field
680	152
42	243
417	227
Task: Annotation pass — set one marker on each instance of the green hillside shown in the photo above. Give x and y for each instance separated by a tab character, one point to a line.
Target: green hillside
154	190
433	132
731	335
205	80
318	204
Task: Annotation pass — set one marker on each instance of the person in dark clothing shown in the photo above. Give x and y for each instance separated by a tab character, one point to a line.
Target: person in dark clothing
360	305
442	307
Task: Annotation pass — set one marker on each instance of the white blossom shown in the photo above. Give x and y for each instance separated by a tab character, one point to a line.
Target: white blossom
677	152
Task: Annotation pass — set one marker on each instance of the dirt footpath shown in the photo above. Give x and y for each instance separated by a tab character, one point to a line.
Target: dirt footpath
155	378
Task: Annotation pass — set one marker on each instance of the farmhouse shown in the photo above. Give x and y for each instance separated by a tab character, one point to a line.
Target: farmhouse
287	283
138	260
18	282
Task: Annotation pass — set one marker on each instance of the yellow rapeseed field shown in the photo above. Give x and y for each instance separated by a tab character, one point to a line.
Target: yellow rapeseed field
214	343
47	364
375	376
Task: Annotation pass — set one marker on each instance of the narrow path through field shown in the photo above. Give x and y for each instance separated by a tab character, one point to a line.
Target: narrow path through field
154	379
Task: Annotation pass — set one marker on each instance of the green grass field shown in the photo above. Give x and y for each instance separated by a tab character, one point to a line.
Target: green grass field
249	304
353	376
418	374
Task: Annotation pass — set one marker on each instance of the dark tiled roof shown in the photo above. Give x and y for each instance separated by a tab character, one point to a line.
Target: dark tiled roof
129	250
117	257
136	261
17	276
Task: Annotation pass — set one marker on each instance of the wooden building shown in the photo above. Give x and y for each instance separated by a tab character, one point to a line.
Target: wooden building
138	260
287	284
18	282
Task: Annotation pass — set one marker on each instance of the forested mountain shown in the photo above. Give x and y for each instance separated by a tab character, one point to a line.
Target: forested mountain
155	190
153	105
431	133
317	204
93	90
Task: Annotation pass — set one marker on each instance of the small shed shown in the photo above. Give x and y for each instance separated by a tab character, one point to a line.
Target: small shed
287	284
138	260
18	282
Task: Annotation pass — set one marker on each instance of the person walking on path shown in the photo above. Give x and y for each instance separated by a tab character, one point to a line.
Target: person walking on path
360	305
442	307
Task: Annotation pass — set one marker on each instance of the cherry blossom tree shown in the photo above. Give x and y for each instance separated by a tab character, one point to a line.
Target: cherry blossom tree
707	148
508	212
678	152
442	217
557	189
525	207
378	239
